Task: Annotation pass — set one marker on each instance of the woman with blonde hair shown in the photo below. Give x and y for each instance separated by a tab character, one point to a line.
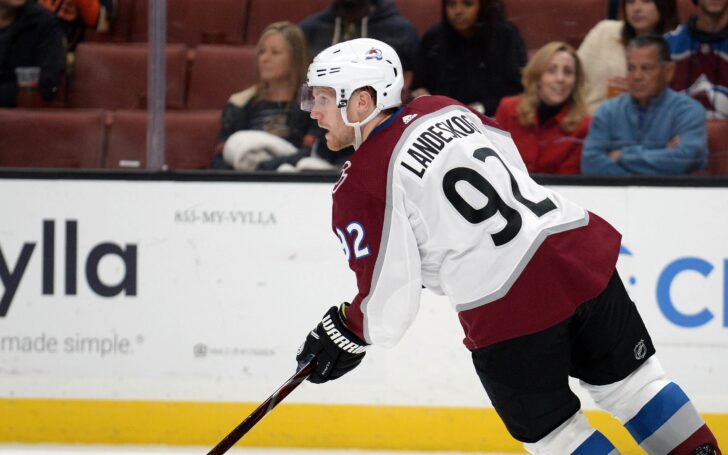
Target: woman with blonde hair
263	126
549	120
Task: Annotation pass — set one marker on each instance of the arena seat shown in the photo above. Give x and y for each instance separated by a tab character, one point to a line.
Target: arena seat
194	22
114	76
210	88
262	13
543	21
717	147
189	136
422	13
58	138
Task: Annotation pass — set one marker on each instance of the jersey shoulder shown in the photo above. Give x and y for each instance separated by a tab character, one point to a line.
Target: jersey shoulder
428	104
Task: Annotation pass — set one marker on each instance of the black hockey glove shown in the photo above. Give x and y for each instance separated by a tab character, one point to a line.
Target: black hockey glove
335	348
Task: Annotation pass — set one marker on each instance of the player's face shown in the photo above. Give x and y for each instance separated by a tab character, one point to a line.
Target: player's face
462	14
274	58
714	8
642	15
558	79
328	116
647	77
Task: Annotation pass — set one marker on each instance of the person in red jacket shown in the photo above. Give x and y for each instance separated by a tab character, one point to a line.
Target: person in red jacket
549	120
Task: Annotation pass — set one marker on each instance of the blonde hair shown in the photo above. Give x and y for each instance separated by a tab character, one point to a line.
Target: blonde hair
300	56
531	80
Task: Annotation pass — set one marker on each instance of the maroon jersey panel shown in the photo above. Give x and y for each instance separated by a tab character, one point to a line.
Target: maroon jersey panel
568	269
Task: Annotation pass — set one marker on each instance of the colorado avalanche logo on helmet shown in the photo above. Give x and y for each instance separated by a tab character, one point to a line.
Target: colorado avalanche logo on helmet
374	54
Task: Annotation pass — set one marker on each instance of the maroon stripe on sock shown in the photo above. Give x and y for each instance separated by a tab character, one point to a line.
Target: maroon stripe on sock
702	436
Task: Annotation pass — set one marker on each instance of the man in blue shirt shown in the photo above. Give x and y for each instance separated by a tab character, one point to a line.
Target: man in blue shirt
651	130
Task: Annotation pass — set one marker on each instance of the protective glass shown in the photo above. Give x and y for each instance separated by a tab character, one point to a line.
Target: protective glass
317	98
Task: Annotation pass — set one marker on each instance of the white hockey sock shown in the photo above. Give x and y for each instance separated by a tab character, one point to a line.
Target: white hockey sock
575	437
656	412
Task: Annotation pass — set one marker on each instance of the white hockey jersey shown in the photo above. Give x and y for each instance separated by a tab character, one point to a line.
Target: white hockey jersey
439	196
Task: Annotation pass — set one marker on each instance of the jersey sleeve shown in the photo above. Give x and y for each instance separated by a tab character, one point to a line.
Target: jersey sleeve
386	262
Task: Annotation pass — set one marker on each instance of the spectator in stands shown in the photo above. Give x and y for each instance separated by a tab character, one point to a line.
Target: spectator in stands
263	126
652	130
700	50
603	50
379	19
549	121
29	36
473	55
76	16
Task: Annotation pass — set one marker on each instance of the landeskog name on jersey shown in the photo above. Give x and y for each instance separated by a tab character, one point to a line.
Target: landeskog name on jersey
430	142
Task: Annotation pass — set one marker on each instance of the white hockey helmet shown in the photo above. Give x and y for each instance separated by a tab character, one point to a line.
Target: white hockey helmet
351	65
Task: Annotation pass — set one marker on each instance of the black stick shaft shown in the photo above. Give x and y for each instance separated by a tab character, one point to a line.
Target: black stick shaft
260	412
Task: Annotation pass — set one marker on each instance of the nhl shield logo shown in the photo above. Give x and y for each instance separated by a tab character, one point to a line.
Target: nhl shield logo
640	350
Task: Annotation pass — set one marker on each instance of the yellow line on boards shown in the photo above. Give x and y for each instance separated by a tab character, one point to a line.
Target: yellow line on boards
289	425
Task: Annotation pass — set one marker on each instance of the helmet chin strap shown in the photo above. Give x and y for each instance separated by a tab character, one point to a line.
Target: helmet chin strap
357	126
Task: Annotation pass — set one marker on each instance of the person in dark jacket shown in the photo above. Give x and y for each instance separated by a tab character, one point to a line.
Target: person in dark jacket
29	36
473	55
379	19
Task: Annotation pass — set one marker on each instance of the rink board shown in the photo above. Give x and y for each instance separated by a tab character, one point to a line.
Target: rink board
289	425
164	311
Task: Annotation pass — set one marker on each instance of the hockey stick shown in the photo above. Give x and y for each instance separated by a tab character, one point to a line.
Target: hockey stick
265	407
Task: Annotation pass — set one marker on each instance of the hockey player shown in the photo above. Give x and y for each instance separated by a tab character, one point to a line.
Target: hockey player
436	195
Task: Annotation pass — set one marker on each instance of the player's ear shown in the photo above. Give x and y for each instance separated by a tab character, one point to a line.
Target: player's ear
364	102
